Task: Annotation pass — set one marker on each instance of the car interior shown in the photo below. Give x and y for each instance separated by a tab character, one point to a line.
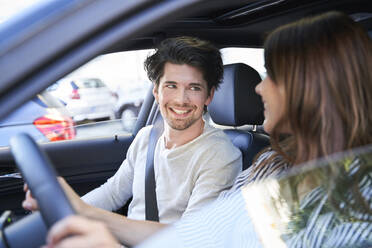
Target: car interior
88	163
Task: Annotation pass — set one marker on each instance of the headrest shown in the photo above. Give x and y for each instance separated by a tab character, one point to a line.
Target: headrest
236	103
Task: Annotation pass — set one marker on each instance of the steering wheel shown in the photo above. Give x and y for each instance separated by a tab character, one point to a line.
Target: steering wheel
40	176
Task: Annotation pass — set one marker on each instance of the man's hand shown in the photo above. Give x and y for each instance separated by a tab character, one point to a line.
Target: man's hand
135	230
77	231
30	203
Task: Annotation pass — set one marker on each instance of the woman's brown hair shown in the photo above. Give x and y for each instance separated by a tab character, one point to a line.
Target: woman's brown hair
325	66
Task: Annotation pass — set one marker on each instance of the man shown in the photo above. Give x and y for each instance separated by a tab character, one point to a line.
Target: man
193	161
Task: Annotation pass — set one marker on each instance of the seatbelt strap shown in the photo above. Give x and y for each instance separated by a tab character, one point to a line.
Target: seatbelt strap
151	204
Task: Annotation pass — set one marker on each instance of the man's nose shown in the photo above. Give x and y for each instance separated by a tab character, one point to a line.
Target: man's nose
182	96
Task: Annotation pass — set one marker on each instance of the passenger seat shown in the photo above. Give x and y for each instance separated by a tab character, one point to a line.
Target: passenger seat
235	104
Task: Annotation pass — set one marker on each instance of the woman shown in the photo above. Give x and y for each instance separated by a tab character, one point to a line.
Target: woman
317	97
319	78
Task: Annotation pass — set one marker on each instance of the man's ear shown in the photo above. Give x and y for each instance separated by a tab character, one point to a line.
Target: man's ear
210	97
155	92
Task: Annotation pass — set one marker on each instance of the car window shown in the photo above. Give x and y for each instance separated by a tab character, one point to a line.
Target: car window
253	57
323	203
104	96
101	98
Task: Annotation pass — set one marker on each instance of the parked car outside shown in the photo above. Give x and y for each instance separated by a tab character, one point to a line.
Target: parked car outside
85	98
128	105
44	118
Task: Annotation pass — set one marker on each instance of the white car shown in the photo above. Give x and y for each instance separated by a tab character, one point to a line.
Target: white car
85	98
130	98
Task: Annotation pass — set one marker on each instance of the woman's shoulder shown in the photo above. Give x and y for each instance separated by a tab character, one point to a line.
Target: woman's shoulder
262	169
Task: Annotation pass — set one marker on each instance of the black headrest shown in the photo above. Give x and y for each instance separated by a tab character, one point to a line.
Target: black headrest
236	103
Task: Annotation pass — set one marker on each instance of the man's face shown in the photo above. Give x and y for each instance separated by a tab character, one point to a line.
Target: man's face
181	94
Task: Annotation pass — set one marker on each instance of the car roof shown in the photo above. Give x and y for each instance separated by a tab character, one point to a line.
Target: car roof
95	27
247	23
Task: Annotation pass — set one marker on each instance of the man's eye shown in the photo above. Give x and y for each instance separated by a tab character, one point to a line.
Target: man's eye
195	88
171	86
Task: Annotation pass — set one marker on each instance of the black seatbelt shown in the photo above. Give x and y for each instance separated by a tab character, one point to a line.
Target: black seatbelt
151	204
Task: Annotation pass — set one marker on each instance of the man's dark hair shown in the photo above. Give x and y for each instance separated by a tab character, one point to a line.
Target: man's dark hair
191	51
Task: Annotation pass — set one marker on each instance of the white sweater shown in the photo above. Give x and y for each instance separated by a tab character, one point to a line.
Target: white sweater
187	177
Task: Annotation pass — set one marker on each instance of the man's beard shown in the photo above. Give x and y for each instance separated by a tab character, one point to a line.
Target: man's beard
180	124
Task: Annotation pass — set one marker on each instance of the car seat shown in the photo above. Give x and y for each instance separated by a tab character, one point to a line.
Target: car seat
235	104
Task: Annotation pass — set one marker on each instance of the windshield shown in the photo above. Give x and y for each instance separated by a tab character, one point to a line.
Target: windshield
11	8
326	203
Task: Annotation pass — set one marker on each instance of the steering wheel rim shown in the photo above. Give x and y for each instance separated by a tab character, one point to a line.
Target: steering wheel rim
41	178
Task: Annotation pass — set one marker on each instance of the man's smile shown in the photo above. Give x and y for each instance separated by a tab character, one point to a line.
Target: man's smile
182	112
